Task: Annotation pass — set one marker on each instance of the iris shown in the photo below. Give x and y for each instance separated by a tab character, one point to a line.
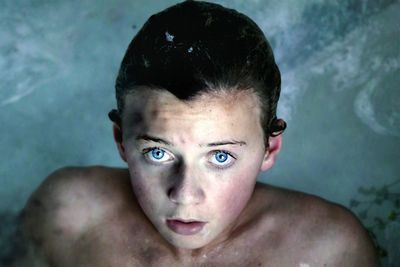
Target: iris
221	156
157	153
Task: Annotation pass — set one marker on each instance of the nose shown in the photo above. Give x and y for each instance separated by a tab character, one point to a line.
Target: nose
186	189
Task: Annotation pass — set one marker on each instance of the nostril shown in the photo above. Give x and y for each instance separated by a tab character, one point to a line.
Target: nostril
169	192
172	195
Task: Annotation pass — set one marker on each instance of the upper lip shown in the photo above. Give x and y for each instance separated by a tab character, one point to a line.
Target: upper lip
184	220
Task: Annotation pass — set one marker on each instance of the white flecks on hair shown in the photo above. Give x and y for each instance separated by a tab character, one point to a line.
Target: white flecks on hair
304	265
190	50
169	37
146	62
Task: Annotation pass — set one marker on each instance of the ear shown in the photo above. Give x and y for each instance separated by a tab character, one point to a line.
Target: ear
275	144
117	131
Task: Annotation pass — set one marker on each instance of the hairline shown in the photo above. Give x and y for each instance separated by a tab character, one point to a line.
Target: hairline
210	89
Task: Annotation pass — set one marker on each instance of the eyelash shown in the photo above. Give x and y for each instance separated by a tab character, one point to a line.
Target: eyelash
219	167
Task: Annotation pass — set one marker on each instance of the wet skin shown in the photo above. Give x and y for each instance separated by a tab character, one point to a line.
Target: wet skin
195	160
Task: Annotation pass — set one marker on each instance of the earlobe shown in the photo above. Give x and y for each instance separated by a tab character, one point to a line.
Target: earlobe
275	144
117	131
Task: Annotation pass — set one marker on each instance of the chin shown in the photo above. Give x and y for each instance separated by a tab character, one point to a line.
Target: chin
186	242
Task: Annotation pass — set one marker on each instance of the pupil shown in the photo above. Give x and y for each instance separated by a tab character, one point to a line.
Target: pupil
157	153
221	157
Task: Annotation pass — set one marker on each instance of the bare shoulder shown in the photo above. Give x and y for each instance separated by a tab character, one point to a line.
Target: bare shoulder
331	231
76	197
70	201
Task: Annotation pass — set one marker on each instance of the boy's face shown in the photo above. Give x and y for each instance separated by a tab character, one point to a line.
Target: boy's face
193	161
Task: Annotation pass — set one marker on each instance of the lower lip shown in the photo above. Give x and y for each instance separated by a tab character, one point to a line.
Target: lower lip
183	228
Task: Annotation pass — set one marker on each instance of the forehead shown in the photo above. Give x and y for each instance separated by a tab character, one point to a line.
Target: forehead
159	112
151	100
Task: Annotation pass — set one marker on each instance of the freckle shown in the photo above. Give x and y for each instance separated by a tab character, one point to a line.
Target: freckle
137	117
154	113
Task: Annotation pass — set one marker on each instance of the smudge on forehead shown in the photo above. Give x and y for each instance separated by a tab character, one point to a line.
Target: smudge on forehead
144	106
133	119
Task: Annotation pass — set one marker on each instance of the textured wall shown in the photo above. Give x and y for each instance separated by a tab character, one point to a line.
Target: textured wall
340	64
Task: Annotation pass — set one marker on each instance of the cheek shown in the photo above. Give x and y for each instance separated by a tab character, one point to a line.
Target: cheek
141	184
237	199
237	194
141	191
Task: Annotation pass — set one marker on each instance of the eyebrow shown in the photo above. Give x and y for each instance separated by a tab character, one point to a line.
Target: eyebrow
232	142
147	137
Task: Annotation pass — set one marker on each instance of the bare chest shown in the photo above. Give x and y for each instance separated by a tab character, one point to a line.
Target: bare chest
131	245
136	247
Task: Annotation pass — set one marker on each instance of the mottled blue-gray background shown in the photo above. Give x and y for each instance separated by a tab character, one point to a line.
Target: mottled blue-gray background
340	64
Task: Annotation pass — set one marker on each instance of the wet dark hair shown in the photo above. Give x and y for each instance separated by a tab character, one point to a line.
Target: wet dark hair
194	47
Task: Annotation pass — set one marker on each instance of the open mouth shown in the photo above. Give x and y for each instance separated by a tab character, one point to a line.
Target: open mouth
185	227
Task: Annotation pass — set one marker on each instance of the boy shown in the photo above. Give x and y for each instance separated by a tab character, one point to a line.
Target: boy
196	122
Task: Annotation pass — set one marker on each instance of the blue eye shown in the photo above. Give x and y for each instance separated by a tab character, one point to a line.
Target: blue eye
157	155
222	159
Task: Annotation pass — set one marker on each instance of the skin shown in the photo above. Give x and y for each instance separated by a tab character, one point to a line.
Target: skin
189	182
100	216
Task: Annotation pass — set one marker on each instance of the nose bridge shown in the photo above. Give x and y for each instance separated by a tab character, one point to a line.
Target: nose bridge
187	187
